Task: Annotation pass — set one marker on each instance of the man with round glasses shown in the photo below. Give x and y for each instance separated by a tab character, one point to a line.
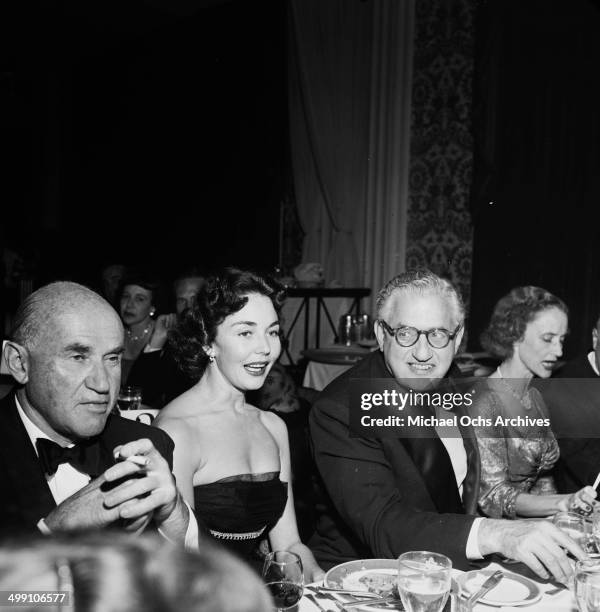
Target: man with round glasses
388	494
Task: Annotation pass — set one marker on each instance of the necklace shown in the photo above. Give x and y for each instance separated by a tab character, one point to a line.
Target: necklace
134	338
524	399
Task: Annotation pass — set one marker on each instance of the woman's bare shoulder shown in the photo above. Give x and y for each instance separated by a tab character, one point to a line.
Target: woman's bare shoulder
273	423
179	416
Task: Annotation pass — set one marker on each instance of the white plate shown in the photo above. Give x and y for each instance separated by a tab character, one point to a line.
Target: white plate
512	590
347	575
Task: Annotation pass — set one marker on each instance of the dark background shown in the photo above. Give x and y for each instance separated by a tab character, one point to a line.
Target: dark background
143	132
155	132
536	190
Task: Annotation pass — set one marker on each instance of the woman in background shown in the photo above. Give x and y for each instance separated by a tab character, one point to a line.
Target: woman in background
232	460
136	299
526	331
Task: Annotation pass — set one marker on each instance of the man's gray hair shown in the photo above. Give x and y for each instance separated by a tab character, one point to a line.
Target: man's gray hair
424	282
32	316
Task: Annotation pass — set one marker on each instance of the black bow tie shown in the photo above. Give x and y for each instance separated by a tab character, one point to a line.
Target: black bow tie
83	457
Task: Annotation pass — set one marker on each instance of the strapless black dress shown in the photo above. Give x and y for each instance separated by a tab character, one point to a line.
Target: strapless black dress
239	511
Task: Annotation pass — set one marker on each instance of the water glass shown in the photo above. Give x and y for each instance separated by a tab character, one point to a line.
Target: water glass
587	584
424	580
574	525
595	518
130	398
283	574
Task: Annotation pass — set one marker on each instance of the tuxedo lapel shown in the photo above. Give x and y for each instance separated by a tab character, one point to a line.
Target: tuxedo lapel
30	496
473	477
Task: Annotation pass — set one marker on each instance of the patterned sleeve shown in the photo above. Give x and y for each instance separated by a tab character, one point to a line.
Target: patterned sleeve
497	497
544	485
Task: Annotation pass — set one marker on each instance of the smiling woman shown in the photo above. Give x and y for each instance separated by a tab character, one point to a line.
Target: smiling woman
527	330
232	460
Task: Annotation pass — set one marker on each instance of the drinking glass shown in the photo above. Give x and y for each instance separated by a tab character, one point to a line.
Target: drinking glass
596	528
130	398
587	584
282	573
424	581
574	525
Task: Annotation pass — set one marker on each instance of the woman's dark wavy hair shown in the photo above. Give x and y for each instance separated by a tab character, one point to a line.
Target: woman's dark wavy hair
512	314
223	294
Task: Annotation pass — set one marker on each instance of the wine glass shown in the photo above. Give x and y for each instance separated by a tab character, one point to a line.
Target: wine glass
424	580
282	573
587	584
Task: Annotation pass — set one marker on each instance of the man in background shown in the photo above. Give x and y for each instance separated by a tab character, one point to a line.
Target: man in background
573	399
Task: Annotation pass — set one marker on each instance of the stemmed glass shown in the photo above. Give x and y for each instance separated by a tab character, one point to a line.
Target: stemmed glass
424	580
282	573
587	584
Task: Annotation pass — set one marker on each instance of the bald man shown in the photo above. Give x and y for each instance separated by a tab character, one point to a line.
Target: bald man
66	463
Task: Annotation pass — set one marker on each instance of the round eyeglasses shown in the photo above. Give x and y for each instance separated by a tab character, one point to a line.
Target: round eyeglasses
407	336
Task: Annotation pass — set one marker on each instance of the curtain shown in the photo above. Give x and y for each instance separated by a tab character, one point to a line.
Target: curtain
349	83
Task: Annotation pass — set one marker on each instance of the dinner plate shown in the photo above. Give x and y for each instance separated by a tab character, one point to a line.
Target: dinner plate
512	590
348	576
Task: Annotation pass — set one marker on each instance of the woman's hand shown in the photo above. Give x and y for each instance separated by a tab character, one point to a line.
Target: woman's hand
159	336
582	502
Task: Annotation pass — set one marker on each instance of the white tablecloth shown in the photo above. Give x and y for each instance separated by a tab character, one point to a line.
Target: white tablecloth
319	375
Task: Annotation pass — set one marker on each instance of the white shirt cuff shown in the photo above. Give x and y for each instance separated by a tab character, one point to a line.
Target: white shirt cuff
41	525
190	541
473	551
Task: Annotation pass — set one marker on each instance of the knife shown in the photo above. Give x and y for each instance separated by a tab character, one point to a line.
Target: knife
370	602
487	586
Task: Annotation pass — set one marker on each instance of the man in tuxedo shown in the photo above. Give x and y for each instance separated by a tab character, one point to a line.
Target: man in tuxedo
573	399
389	494
58	468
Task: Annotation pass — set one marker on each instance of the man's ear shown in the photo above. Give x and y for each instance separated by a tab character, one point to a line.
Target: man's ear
16	358
594	338
379	333
458	339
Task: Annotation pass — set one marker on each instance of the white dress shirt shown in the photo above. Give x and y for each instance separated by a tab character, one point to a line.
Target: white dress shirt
455	448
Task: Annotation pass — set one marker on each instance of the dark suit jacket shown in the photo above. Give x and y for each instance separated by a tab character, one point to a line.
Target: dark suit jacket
387	495
26	497
573	399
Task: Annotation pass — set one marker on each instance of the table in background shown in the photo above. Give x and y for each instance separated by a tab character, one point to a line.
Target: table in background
306	301
327	363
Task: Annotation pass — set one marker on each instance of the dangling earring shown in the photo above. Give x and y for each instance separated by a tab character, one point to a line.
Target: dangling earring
152	312
211	358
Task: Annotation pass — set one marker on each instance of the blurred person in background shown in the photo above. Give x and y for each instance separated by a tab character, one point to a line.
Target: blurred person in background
110	280
114	573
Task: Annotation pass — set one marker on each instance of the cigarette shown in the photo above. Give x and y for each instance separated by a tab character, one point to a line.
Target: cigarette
597	481
137	459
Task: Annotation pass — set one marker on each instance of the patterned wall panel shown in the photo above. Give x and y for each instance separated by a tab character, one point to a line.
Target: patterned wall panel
439	223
